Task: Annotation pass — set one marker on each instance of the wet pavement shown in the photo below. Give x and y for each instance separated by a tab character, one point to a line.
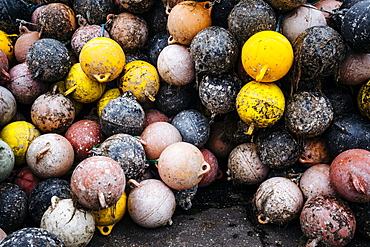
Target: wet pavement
220	215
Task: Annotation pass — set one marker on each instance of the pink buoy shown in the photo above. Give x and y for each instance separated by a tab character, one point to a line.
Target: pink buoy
98	182
354	69
50	155
214	171
181	165
23	43
157	136
175	65
350	175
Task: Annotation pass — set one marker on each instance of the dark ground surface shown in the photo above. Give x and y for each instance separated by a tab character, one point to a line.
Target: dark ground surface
221	215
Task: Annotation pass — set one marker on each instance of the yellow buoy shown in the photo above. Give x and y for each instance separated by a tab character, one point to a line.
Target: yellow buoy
142	79
363	99
18	135
80	87
267	56
6	44
105	219
102	59
260	104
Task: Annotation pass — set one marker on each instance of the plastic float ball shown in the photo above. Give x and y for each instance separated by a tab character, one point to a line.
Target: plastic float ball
156	44
315	181
286	5
218	92
244	167
355	27
137	7
102	59
107	218
23	43
6	45
250	17
50	155
18	135
52	112
26	180
110	94
127	151
8	106
350	175
11	11
157	136
312	59
181	165
267	56
173	99
48	60
354	69
151	203
277	147
4	68
308	113
23	86
330	5
130	31
186	19
277	200
214	171
40	198
142	79
154	115
81	88
349	131
7	160
85	33
315	151
13	206
56	21
98	182
341	100
94	11
193	126
363	99
175	65
32	236
260	104
83	136
221	44
217	142
122	115
297	20
328	221
74	226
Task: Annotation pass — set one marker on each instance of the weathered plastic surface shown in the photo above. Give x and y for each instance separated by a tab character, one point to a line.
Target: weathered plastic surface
244	167
182	166
74	226
40	197
350	175
327	220
94	11
23	43
277	200
10	12
13	206
50	155
151	203
308	114
193	126
98	182
122	115
7	160
48	60
277	148
127	151
32	236
137	7
214	50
